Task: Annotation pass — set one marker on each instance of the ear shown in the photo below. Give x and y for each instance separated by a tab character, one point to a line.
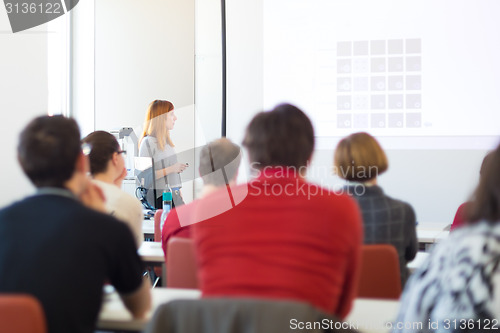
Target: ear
303	169
309	160
114	158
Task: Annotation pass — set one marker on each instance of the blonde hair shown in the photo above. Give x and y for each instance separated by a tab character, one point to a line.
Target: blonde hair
154	123
359	157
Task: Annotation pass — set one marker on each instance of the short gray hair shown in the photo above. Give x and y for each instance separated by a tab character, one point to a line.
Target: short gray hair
219	162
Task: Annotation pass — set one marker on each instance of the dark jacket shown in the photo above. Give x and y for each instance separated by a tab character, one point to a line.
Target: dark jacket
387	221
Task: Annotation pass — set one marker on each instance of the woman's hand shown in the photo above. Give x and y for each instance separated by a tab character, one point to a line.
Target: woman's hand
118	181
178	167
93	198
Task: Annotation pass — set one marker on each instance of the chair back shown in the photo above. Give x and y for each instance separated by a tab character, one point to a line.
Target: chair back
21	313
181	263
235	315
157	229
157	237
380	275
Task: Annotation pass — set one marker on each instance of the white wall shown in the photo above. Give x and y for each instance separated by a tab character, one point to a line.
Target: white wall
138	59
129	54
143	51
434	181
208	65
244	64
208	77
23	95
82	98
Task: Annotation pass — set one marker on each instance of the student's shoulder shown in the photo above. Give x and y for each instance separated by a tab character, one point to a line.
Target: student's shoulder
130	201
106	188
396	203
151	140
187	207
60	208
336	205
88	214
331	198
148	144
41	203
13	209
118	194
240	190
103	225
115	192
92	218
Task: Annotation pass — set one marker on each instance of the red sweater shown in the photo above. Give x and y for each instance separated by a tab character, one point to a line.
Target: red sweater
301	244
459	219
173	227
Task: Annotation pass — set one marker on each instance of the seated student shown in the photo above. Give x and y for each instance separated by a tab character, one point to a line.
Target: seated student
216	156
360	159
287	239
54	247
456	288
107	166
460	215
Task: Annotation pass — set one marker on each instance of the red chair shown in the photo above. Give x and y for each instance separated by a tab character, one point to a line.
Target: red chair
157	229
181	263
157	238
20	313
380	275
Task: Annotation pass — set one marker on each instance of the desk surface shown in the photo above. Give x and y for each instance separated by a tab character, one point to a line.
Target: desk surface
431	235
148	227
370	316
151	252
418	261
114	315
373	315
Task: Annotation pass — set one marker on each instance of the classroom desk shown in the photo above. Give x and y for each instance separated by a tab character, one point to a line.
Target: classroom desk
418	261
371	316
148	228
114	316
428	236
152	254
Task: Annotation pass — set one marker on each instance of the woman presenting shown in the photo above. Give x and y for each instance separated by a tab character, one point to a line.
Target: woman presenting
155	142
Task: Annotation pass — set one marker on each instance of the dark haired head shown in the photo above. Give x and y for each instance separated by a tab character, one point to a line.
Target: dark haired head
218	154
486	200
485	162
283	136
48	150
104	145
